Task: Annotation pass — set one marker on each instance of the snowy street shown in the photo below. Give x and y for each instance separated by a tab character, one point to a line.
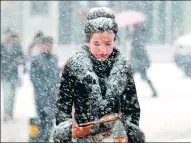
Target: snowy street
164	118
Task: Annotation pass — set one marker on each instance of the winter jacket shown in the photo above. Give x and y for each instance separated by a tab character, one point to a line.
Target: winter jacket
139	56
96	88
11	58
45	77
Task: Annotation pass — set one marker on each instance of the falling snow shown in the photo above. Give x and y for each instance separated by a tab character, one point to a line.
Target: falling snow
49	74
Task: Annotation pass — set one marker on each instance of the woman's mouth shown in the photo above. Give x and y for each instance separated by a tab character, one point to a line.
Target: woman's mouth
102	56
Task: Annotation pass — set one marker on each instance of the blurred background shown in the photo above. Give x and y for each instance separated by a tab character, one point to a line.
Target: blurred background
168	26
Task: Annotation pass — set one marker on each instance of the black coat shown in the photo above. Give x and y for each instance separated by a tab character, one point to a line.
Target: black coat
97	88
45	77
11	58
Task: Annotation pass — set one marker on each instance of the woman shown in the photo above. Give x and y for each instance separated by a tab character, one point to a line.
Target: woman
98	81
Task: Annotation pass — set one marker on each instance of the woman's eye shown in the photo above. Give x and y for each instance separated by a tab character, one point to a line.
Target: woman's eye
108	44
96	44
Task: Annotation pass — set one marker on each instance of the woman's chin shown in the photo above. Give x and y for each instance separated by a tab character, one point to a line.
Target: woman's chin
101	59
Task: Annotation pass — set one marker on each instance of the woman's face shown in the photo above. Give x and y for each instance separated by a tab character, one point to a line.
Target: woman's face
101	44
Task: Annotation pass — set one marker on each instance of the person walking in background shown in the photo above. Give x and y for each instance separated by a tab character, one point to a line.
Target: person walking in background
34	49
11	57
45	78
139	58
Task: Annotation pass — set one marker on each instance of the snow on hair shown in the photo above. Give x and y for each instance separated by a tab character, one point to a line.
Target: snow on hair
100	12
100	20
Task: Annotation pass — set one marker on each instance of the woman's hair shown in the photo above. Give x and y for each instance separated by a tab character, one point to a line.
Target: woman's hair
100	12
100	19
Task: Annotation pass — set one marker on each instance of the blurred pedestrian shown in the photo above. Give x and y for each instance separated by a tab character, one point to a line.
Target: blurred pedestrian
11	57
5	35
98	81
139	58
45	79
34	49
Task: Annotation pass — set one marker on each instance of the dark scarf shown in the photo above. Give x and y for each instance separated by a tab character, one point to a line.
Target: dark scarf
103	68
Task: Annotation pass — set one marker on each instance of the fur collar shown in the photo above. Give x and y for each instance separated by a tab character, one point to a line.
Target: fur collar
81	67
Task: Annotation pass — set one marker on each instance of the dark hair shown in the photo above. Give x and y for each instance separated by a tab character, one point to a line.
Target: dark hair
47	39
97	12
7	31
100	25
100	20
39	34
14	35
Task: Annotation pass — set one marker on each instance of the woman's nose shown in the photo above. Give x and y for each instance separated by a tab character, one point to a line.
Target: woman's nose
103	49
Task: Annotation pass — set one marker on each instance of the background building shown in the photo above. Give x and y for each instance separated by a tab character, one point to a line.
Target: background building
28	17
64	20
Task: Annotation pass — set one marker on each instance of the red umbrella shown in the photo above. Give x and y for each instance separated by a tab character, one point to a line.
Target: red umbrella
83	14
129	18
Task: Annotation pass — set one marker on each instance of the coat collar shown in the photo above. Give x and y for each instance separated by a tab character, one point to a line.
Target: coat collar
80	65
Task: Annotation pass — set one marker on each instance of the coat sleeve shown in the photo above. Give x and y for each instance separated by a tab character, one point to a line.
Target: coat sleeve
35	74
63	115
57	71
20	51
129	103
65	95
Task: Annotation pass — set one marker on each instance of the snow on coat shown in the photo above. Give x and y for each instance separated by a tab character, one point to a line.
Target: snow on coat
45	77
80	85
